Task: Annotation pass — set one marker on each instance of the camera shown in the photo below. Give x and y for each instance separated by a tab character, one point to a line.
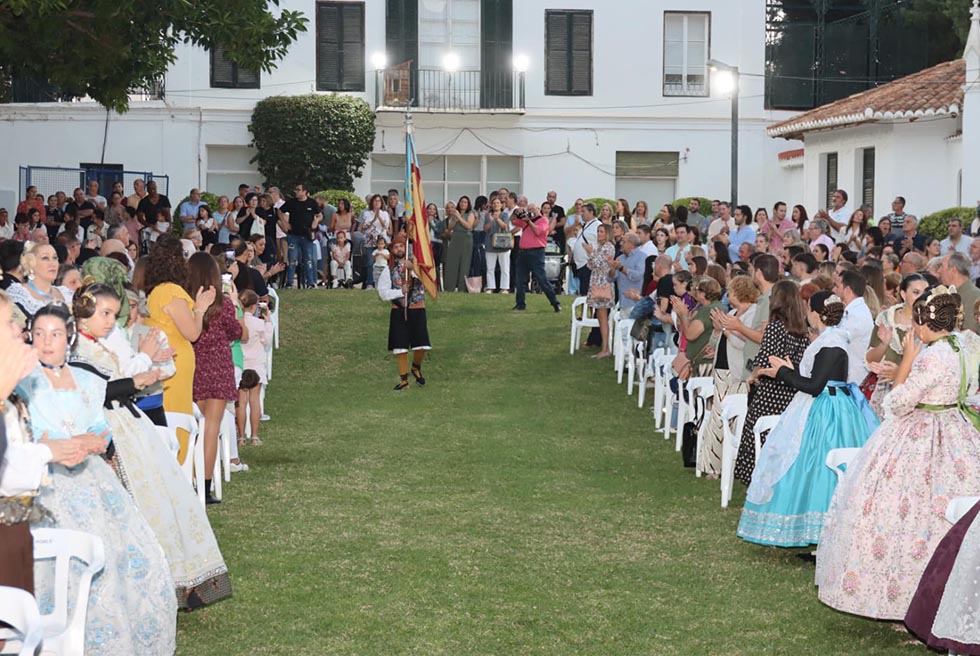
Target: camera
520	213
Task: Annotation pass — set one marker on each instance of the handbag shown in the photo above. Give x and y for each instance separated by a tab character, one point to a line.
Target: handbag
601	292
502	241
682	364
640	330
689	439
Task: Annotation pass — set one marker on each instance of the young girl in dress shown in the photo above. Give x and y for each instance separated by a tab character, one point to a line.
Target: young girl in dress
888	514
381	254
340	264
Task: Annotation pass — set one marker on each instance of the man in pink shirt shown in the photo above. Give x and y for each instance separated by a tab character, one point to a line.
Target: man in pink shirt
777	226
530	254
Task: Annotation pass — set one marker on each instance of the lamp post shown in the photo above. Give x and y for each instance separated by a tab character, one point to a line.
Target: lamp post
450	63
380	61
521	63
715	65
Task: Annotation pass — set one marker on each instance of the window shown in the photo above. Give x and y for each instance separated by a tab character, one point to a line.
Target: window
226	74
340	46
830	178
568	53
868	177
449	177
686	39
649	176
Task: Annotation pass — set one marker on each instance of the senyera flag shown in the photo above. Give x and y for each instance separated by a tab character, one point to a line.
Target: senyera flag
418	222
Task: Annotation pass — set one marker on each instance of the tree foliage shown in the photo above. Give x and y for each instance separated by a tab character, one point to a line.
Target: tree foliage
937	224
103	48
321	141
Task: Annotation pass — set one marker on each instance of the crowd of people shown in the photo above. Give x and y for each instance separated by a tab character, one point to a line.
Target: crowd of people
853	336
105	330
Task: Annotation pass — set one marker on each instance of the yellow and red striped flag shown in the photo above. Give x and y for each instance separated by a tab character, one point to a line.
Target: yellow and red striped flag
418	222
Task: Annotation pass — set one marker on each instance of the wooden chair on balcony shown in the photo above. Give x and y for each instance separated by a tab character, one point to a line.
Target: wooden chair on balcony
398	85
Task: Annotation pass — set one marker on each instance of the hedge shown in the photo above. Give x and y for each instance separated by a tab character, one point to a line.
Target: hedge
211	200
598	204
357	203
705	204
935	224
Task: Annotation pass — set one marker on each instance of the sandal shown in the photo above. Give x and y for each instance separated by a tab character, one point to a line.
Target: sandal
241	441
256	441
417	372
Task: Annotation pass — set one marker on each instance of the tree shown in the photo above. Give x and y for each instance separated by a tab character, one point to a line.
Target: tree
104	48
321	141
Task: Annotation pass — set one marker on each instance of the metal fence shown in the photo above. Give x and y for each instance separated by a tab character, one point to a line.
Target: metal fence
51	179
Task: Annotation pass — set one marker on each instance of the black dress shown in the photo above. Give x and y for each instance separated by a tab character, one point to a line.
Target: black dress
770	396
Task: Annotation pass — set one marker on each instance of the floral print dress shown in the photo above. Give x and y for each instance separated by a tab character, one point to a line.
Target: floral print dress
599	266
889	513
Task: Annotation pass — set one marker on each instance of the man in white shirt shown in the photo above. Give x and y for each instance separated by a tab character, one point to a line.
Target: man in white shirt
838	216
647	247
6	225
587	234
677	252
723	223
857	323
92	194
957	242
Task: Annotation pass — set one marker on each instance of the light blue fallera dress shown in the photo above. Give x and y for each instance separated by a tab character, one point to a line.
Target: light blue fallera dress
132	606
792	486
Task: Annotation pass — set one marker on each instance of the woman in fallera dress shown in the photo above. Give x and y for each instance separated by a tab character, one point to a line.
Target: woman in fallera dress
792	486
888	514
132	607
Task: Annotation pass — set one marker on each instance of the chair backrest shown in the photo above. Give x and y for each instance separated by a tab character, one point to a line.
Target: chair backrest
579	309
18	610
63	545
703	385
958	507
765	424
735	407
189	423
837	458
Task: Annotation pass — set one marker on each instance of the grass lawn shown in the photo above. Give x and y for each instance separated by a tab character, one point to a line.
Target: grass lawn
520	503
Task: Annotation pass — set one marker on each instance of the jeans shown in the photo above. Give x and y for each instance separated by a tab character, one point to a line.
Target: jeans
302	252
531	260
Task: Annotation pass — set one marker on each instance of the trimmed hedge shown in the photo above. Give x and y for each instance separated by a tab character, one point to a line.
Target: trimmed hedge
598	204
211	200
935	224
357	203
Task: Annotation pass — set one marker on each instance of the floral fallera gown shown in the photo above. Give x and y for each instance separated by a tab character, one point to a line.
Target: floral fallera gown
888	514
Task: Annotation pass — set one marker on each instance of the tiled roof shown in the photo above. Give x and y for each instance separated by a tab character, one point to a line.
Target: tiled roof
934	91
790	154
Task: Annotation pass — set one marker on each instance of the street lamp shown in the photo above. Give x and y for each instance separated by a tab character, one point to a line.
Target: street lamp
450	63
521	64
732	77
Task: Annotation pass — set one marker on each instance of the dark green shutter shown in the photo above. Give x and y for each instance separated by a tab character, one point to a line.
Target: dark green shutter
831	178
226	74
568	53
496	53
402	37
340	46
868	178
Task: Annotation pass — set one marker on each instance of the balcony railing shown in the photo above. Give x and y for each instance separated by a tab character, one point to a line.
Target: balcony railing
30	90
435	90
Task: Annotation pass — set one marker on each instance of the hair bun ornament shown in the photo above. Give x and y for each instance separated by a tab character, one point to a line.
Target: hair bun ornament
833	298
937	291
88	280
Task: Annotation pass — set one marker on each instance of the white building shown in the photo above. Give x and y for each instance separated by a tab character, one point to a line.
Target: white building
917	137
616	101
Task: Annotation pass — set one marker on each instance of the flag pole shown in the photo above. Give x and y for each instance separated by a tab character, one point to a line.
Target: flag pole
408	173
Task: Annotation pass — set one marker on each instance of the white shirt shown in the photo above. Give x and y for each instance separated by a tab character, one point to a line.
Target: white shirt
716	226
946	246
98	200
131	362
649	249
858	324
587	234
843	215
7	231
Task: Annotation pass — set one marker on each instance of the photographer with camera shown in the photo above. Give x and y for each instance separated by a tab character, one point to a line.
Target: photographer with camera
530	256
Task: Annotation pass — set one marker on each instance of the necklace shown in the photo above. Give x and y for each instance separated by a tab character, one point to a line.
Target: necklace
39	292
55	369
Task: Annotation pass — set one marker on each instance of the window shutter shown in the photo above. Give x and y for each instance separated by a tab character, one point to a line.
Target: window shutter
556	53
868	186
402	38
222	69
352	54
647	165
831	178
496	53
328	46
581	50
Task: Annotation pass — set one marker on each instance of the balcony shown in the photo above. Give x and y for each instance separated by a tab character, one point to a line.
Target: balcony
30	90
403	87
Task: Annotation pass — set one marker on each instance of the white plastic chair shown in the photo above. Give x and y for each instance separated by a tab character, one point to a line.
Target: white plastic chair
640	369
274	315
661	359
958	507
838	457
613	322
624	347
18	609
189	423
226	431
734	408
582	317
700	387
63	635
696	387
763	425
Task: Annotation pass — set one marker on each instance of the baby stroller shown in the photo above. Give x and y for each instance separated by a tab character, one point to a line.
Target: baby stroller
554	268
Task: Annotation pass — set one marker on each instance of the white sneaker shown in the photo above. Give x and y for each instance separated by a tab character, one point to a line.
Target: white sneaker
265	418
237	467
